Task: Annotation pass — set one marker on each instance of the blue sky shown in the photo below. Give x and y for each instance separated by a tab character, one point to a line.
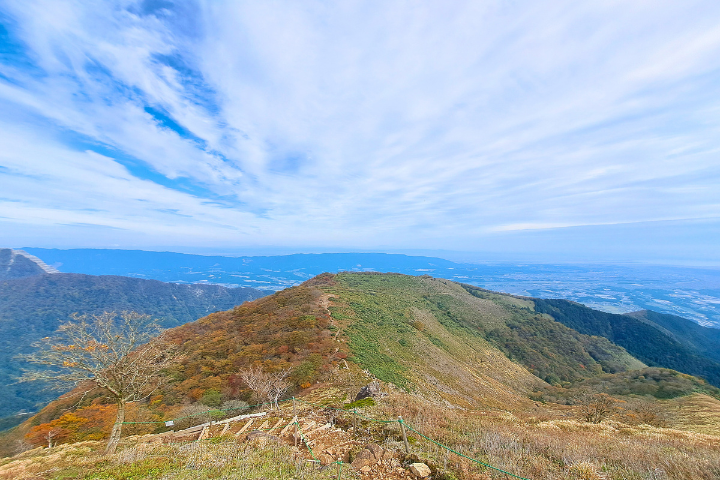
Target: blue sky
555	131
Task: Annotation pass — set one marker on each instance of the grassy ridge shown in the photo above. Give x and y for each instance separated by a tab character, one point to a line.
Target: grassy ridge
452	343
391	314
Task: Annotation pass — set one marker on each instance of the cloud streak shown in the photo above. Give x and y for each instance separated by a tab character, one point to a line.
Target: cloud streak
359	125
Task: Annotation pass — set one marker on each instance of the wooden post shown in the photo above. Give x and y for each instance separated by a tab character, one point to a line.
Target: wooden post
404	435
295	435
355	420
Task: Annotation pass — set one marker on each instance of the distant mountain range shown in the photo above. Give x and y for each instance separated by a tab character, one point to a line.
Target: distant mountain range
33	306
692	293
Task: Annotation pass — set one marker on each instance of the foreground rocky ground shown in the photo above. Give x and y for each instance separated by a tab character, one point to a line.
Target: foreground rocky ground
548	443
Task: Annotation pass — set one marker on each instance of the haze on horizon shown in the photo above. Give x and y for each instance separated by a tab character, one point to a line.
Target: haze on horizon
570	131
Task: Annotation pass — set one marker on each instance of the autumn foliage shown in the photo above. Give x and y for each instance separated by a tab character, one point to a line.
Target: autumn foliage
289	329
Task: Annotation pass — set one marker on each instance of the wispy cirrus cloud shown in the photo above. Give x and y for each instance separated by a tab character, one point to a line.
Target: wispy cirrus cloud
360	124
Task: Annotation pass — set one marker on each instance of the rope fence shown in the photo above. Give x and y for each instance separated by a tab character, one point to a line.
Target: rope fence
403	424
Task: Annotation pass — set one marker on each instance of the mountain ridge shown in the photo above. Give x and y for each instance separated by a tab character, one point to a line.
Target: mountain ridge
644	340
687	332
447	356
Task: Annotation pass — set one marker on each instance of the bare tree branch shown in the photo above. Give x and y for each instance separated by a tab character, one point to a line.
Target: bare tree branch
268	386
117	353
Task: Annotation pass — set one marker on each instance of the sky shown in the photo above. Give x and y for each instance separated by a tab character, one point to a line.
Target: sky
548	131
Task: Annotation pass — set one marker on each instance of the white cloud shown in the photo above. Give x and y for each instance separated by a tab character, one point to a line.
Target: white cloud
366	123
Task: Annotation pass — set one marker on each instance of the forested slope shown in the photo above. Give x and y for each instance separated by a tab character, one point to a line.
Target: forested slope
643	340
34	307
705	340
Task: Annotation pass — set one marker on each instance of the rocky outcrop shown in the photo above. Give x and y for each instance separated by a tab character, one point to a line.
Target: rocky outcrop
370	390
371	455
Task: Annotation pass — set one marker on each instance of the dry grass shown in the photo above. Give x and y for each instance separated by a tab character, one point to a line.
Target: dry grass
194	460
700	413
550	445
547	442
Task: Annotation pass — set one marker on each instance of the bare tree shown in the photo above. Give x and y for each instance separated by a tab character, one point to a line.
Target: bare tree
595	408
268	386
49	437
115	352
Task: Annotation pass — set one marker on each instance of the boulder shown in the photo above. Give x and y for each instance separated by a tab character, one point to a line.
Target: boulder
372	389
376	450
420	470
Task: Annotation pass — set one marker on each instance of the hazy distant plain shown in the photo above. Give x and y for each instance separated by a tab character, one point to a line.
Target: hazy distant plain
690	292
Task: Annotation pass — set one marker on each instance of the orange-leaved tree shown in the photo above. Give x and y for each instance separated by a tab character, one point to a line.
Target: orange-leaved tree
117	353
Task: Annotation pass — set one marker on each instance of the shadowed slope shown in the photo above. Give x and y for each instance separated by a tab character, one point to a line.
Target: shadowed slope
642	339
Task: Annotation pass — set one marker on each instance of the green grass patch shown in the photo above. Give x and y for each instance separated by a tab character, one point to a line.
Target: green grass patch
365	402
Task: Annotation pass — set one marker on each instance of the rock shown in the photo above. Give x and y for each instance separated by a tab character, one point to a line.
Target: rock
370	390
376	450
365	469
372	454
420	470
364	458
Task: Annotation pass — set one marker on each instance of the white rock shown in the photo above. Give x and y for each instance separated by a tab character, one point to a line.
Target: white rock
420	470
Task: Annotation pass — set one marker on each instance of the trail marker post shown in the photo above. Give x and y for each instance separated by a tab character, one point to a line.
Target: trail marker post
404	435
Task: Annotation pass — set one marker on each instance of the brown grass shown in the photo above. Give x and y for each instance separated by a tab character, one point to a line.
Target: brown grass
553	445
546	442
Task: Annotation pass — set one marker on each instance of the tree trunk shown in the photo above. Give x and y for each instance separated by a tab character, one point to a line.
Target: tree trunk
117	429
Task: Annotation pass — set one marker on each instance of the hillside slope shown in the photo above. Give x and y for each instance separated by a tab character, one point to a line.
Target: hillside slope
465	366
421	334
703	339
642	339
33	307
427	331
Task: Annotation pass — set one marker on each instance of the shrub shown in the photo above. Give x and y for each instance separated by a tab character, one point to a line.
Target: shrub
192	415
212	397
